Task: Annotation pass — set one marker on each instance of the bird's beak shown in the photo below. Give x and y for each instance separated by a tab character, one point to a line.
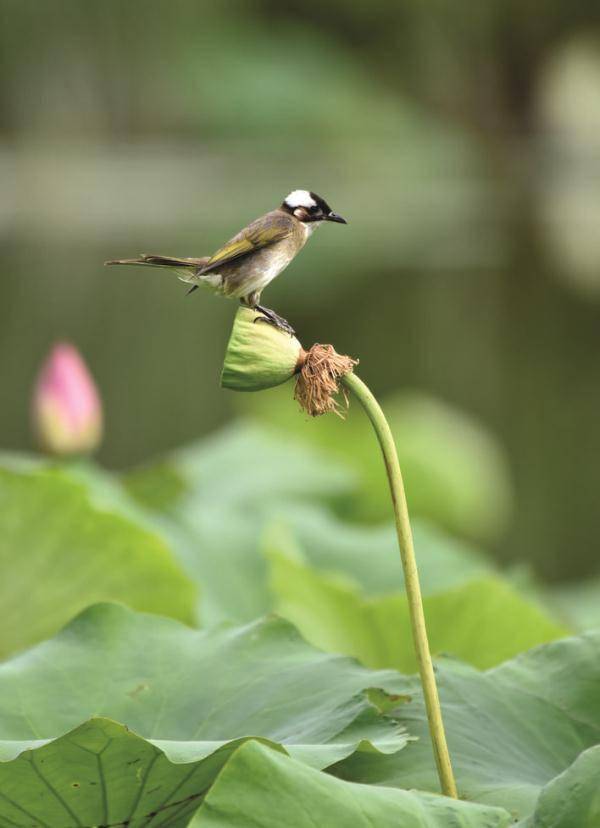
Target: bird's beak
334	217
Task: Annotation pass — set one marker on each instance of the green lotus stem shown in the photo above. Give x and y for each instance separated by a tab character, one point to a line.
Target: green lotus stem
260	356
411	579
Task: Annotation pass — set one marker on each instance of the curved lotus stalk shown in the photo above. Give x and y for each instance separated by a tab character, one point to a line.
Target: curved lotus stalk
261	356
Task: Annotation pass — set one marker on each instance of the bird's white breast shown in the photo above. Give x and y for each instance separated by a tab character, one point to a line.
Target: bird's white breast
254	275
273	264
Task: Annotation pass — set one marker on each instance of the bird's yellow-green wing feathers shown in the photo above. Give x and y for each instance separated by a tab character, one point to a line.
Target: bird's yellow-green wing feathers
260	233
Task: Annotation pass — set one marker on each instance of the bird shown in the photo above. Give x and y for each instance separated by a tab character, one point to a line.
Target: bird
244	266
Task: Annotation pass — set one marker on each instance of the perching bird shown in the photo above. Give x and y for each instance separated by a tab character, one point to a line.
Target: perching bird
245	265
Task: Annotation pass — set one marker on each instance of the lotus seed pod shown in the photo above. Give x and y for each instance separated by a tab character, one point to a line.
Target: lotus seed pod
66	407
258	355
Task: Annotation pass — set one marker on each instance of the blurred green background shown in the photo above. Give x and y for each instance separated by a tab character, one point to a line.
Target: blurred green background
461	141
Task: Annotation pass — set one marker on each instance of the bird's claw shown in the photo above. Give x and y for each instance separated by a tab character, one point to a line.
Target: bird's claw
271	318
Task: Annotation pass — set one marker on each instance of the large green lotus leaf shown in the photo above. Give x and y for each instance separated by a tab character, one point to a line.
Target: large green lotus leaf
198	689
482	621
61	549
572	800
101	774
455	473
510	730
261	788
242	464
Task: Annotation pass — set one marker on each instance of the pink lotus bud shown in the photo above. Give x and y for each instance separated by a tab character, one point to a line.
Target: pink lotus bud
67	412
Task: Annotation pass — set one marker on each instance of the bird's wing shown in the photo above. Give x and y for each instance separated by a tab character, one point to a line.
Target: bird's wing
260	233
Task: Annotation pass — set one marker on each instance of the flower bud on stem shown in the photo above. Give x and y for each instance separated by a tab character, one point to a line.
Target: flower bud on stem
66	406
261	356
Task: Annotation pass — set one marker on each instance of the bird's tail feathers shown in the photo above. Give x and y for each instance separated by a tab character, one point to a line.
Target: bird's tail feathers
161	261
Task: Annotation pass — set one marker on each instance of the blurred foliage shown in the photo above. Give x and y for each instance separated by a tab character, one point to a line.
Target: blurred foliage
213	500
462	144
61	551
482	621
331	544
454	473
243	512
578	603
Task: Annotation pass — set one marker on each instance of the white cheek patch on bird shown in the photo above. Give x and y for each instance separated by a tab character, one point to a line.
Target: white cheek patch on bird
300	198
